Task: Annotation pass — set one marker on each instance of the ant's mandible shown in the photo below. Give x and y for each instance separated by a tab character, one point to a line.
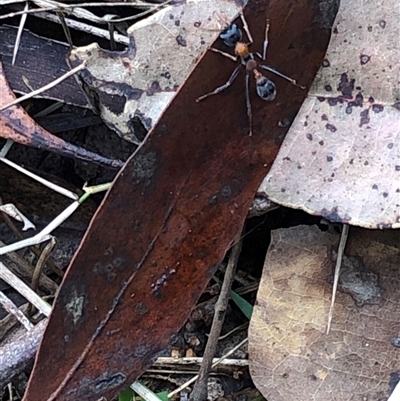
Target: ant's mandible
266	89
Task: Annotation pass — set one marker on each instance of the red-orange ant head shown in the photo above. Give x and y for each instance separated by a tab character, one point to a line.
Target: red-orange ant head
241	49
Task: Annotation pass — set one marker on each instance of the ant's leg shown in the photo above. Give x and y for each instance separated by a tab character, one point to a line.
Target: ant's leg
291	80
248	104
234	58
265	44
222	87
246	29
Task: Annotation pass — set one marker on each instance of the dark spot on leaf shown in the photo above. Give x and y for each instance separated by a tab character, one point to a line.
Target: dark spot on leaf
364	117
369	28
364	59
329	158
366	163
397	106
141	351
371	99
382	23
374	186
321	143
112	381
321	98
346	86
359	282
328	88
197	24
397	168
324	117
154	88
377	108
390	145
171	16
283	190
166	75
141	308
181	41
385	194
331	127
333	101
349	109
326	63
226	191
313	378
287	158
309	137
285	375
351	161
177	22
111	276
359	99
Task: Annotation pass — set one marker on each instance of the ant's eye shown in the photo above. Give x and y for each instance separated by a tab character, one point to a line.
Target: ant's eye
266	89
231	35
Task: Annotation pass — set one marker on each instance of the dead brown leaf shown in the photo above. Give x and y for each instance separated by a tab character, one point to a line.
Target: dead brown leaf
291	357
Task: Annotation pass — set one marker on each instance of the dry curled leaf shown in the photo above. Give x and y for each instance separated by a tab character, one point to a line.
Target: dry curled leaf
341	158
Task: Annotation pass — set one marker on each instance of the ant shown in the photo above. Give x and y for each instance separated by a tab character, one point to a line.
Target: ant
266	89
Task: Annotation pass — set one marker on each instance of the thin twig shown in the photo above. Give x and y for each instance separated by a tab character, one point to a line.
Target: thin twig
19	33
39	268
199	392
45	88
24	290
48	184
10	307
193	379
342	245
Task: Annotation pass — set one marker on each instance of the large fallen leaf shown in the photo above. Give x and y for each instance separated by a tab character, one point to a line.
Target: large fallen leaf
171	215
140	82
341	158
291	357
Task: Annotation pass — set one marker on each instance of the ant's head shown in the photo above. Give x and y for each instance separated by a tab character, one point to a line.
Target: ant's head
231	35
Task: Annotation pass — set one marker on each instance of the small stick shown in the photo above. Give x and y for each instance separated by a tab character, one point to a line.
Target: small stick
45	88
199	392
193	379
342	245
